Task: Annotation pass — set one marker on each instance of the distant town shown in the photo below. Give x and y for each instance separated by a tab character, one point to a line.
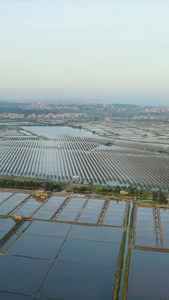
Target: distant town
90	112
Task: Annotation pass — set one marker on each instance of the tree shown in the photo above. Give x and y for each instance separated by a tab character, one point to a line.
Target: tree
162	198
155	196
132	190
118	189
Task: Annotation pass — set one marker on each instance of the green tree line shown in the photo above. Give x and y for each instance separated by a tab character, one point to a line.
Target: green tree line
29	184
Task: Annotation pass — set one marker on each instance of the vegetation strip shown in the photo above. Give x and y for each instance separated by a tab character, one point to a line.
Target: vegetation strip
120	264
127	263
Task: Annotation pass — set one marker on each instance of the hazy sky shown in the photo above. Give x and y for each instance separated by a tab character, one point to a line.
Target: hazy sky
109	50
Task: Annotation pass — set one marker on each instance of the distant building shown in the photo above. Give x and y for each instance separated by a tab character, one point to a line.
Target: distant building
76	177
41	193
123	192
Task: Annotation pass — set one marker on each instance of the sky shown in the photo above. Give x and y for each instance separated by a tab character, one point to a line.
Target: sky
113	51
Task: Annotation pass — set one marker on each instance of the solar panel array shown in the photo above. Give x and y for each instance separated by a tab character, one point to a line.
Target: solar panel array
66	157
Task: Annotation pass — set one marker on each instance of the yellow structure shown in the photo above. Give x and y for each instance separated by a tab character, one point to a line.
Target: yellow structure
41	193
123	192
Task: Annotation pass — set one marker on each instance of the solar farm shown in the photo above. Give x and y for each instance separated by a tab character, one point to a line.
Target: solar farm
84	159
78	246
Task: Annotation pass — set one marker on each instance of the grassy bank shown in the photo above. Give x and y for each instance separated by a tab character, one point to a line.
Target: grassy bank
127	263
